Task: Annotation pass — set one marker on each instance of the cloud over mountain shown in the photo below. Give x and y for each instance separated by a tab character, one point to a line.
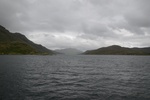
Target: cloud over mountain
82	24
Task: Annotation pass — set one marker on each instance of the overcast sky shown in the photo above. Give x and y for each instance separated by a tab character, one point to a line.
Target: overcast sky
81	24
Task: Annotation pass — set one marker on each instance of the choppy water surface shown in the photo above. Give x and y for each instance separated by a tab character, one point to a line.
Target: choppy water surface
79	77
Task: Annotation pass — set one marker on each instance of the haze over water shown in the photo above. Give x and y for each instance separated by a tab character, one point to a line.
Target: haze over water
81	77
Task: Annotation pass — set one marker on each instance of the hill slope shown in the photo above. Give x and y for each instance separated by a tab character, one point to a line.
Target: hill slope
118	50
16	43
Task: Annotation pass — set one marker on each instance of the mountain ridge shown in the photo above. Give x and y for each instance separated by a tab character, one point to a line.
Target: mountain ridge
68	51
17	43
118	50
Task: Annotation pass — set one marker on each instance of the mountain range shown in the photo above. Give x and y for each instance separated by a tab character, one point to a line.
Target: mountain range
118	50
69	51
16	43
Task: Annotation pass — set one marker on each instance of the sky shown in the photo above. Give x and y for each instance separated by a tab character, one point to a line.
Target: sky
80	24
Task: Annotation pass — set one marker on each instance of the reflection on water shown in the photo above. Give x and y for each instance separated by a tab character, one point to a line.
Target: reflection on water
75	77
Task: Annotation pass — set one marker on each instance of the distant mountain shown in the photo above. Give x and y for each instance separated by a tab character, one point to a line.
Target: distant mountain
68	51
118	50
16	43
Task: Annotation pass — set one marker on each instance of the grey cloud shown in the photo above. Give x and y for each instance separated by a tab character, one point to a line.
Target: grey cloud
12	13
138	16
94	21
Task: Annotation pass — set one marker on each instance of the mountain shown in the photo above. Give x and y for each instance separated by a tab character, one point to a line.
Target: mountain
68	51
118	50
16	43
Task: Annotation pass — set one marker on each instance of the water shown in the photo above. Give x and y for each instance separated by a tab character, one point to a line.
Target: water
81	77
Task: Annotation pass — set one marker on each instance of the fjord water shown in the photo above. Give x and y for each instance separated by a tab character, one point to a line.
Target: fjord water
80	77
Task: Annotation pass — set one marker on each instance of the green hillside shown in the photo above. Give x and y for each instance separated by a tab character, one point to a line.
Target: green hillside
16	43
118	50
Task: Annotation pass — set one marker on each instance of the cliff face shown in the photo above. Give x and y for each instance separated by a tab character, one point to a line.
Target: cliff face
16	43
118	50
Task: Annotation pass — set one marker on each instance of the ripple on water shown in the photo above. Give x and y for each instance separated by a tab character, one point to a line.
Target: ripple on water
75	77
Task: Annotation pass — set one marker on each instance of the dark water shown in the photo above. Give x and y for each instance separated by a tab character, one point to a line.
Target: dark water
75	77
